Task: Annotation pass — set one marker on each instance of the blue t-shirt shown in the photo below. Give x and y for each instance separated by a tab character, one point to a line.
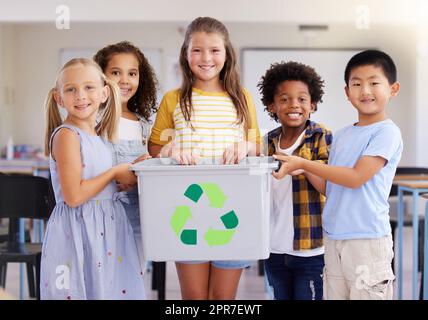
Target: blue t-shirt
362	212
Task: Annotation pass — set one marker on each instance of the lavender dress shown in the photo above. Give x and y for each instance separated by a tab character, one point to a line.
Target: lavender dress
89	251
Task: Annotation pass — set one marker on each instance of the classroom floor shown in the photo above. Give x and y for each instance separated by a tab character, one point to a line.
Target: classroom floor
251	287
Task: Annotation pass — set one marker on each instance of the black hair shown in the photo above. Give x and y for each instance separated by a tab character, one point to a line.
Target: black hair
375	58
289	71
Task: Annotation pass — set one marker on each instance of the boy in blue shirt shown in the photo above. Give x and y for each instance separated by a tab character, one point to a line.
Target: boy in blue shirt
362	164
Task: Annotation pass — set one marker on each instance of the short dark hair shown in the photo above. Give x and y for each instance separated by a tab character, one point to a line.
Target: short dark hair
290	71
375	58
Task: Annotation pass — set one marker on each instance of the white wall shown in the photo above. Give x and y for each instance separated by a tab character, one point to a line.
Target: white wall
2	111
398	41
422	98
35	62
32	60
7	83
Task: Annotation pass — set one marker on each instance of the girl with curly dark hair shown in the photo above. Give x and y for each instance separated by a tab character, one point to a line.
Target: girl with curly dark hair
126	65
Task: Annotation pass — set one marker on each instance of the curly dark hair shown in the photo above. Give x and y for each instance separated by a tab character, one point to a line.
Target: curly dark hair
289	71
144	102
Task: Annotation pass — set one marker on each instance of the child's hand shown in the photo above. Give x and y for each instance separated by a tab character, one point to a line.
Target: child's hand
125	187
141	158
166	151
184	156
290	164
123	175
297	172
238	151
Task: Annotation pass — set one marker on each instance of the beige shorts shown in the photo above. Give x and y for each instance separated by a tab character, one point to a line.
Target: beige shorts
358	269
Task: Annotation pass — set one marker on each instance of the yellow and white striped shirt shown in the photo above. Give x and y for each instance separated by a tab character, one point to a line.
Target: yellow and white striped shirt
214	122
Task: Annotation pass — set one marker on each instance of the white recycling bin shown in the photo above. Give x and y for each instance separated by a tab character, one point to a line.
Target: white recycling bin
205	212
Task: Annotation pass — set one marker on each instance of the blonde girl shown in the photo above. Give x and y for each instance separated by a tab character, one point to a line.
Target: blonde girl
88	251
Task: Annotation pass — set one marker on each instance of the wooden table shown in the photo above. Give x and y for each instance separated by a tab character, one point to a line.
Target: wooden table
410	177
34	167
416	184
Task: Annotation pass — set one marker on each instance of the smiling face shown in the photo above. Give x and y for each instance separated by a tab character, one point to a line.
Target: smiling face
206	55
369	92
123	69
81	92
292	104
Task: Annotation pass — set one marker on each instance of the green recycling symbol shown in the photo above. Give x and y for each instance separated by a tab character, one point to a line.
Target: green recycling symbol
212	236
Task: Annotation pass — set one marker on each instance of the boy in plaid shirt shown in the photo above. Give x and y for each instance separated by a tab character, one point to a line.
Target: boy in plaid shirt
291	91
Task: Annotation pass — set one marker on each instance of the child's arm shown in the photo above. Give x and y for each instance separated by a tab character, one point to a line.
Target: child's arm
365	168
154	149
163	151
128	187
317	182
66	152
163	132
141	158
321	155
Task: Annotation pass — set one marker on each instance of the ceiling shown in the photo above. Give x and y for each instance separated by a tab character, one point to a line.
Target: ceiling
270	11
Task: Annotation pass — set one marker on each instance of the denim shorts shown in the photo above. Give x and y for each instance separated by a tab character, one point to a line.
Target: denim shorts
224	264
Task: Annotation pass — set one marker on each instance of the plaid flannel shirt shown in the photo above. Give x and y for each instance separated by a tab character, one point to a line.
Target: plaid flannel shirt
308	203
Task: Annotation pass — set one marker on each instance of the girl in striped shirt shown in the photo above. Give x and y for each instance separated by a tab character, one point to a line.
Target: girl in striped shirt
210	119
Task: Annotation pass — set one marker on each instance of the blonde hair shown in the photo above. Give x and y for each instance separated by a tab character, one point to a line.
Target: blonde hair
228	75
109	111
